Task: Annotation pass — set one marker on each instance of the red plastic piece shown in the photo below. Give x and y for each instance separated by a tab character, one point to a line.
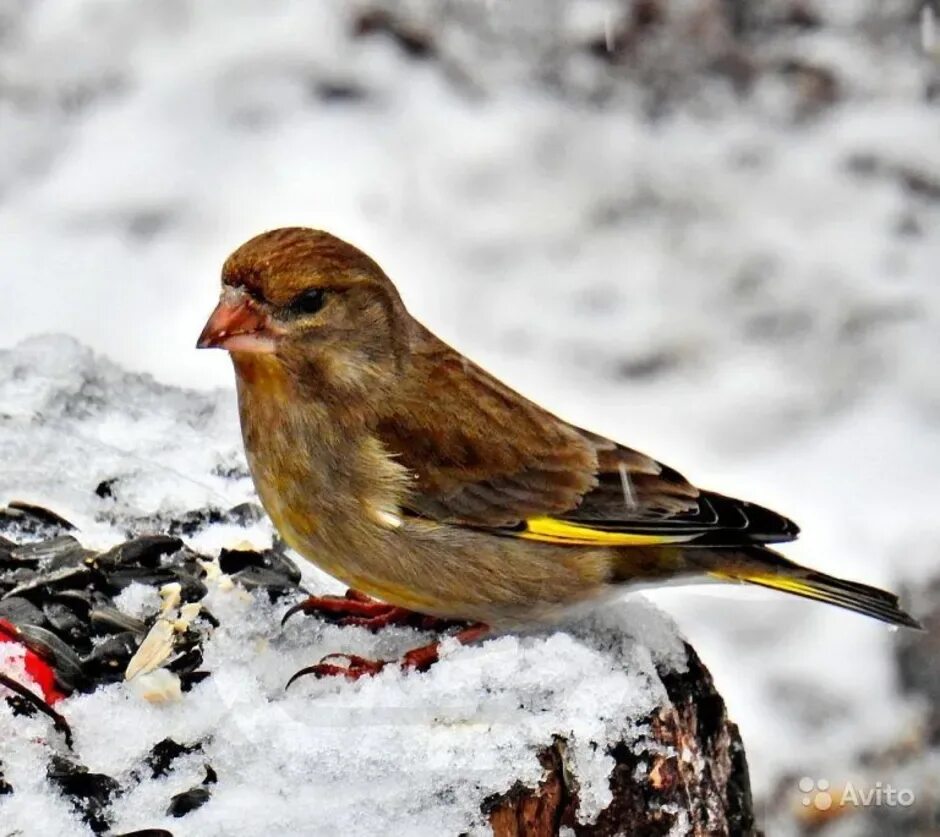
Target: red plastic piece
37	668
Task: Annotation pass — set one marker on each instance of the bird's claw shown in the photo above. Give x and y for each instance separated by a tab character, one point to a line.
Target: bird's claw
354	668
358	609
417	659
337	609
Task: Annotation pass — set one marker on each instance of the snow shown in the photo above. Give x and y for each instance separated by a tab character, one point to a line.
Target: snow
138	600
733	286
71	422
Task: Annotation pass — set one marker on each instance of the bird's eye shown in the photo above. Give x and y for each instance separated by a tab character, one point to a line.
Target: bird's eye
308	302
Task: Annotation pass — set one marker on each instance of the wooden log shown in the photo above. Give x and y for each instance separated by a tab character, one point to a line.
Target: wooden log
689	777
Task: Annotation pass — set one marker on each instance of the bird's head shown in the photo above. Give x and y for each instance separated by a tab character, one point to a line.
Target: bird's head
307	301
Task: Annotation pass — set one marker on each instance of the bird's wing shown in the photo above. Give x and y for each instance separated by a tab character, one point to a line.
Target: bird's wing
653	499
486	457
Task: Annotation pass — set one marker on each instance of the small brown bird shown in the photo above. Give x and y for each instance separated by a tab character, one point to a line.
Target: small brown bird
405	470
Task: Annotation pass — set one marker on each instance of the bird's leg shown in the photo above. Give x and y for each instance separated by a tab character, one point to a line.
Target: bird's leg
423	657
352	666
355	608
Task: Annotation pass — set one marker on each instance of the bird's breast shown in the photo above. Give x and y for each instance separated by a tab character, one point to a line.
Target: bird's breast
332	492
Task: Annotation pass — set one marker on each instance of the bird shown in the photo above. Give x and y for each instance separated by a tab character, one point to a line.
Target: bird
439	495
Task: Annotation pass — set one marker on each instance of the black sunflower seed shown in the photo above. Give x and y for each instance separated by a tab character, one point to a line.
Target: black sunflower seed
50	518
165	752
187	662
81	601
192	589
125	576
274	583
279	562
187	801
234	561
90	793
21	611
188	679
66	623
65	662
63	578
145	551
27	520
110	620
209	617
64	547
105	488
108	660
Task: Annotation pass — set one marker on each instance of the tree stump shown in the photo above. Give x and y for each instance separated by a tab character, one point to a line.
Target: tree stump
691	779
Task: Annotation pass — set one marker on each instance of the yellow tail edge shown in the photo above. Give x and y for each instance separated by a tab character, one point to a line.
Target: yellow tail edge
850	595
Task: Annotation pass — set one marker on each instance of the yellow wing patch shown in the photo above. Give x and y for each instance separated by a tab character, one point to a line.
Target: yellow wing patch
551	530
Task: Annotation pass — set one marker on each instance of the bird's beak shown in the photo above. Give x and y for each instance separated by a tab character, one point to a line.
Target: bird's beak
237	325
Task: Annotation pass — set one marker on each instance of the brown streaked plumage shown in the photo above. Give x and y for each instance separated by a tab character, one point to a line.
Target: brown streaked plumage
407	471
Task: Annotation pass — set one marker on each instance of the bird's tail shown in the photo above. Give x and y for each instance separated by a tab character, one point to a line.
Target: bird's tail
766	568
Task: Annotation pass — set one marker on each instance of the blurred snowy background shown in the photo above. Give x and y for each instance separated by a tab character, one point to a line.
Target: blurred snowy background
708	228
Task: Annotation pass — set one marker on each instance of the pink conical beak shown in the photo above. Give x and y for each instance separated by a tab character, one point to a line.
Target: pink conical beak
237	325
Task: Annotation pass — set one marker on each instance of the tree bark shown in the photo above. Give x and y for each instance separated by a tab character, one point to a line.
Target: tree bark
690	778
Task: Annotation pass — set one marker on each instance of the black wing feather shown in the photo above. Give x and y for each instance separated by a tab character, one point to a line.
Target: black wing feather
641	503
